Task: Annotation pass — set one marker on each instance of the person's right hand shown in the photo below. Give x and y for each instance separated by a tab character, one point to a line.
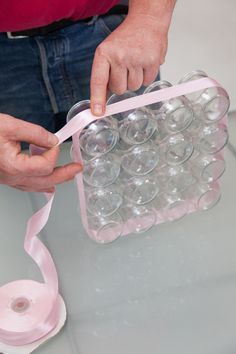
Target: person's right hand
30	173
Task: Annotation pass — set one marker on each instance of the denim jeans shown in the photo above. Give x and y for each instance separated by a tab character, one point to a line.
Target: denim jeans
42	77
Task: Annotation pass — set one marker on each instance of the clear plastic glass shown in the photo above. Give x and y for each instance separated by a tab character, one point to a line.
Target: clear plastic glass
178	148
117	98
214	101
141	190
178	111
171	206
106	229
204	196
77	108
101	171
139	219
208	168
176	178
138	127
212	138
99	137
208	198
161	133
103	201
198	120
140	159
193	75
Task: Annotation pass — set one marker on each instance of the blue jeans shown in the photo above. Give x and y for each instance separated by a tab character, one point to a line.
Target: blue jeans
42	77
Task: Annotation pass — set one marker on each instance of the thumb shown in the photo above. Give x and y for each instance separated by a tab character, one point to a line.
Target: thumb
33	134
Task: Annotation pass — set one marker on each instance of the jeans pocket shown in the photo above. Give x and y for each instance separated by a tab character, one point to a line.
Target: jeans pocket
108	23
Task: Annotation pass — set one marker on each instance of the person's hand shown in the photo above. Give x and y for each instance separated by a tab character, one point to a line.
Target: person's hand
30	173
127	59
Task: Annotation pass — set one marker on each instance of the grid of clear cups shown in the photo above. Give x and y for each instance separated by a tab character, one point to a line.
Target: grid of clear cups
153	164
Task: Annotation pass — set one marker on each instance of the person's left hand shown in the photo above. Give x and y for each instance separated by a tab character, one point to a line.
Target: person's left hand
127	59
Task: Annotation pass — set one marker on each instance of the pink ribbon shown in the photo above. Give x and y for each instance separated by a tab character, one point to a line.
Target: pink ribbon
43	313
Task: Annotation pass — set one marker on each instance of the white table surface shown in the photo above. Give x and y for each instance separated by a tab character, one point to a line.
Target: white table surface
169	291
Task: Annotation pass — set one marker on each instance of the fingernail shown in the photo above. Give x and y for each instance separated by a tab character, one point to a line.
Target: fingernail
50	190
79	169
52	139
97	109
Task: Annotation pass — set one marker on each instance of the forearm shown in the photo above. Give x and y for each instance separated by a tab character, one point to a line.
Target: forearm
160	10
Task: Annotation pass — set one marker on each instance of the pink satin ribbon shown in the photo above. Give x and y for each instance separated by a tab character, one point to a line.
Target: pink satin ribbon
39	321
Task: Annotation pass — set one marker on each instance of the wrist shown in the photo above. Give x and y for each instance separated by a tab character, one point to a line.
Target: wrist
158	12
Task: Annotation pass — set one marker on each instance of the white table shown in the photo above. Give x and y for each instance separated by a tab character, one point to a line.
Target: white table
170	291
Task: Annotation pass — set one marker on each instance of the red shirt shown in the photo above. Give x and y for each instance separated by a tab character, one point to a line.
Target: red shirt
18	15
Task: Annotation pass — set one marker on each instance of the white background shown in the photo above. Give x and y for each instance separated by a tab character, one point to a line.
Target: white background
203	36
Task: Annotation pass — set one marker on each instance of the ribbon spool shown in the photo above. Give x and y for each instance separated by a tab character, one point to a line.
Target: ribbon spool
30	311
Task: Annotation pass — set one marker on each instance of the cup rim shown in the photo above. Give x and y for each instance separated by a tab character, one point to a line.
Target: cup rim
188	76
80	103
212	203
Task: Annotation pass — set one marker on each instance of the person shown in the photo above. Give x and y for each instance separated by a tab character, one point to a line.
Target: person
55	53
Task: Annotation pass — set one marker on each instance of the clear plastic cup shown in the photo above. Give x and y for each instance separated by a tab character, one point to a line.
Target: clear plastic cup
204	196
171	206
103	201
178	111
198	120
101	171
208	198
178	148
176	178
138	127
208	168
139	219
212	138
85	157
141	190
140	159
161	133
77	108
117	98
214	100
99	137
106	229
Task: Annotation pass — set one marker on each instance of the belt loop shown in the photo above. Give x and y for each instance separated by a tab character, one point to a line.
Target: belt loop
93	20
10	36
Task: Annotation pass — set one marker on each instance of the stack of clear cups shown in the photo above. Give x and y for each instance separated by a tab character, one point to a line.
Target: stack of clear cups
101	169
153	164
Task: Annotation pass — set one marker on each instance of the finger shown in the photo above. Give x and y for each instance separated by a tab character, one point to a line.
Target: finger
36	165
135	78
99	82
50	190
31	189
60	175
118	79
163	53
32	133
149	75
